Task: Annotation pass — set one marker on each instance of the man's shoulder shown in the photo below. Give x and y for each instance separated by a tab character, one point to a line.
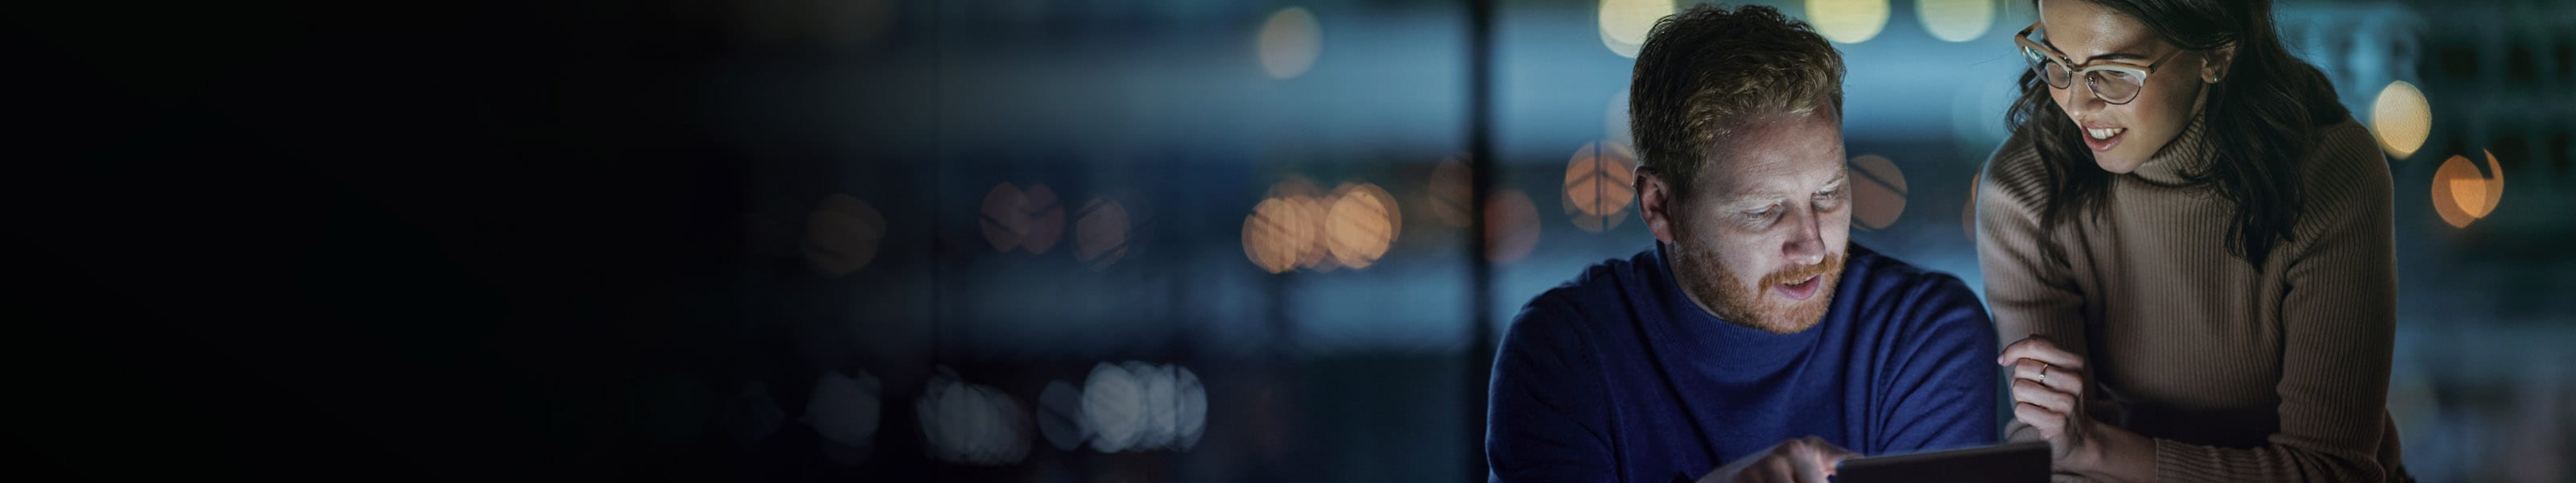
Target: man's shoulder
1600	290
1886	286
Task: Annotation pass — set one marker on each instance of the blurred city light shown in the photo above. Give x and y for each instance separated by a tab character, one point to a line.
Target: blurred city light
1100	235
1848	21
972	424
845	410
1511	226
1449	191
1955	20
2462	195
1624	23
1276	232
2401	118
1290	42
1877	192
841	235
1600	182
1364	222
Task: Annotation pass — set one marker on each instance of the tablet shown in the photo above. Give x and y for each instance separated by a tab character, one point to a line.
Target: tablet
2017	462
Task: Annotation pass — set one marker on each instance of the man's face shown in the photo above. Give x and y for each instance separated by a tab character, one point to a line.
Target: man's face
1760	238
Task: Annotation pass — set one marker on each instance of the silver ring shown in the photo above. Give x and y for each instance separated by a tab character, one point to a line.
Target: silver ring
2043	372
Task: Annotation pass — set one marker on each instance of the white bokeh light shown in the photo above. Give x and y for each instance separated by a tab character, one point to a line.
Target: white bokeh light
1130	406
1290	42
1112	407
972	424
1624	23
1955	20
1848	21
844	409
2402	119
1190	411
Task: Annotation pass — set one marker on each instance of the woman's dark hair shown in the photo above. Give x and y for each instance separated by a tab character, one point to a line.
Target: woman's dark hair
2259	121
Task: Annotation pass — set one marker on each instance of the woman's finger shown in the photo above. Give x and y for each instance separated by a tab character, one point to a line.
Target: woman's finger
2041	349
2046	421
2065	380
2032	392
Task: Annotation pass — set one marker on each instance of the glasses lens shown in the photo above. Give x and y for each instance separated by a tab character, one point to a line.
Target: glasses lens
2115	86
2049	70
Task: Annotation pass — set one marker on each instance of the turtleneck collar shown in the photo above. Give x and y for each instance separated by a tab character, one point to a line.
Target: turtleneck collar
2188	153
1713	342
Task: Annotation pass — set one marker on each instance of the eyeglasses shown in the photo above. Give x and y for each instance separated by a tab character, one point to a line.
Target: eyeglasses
2112	83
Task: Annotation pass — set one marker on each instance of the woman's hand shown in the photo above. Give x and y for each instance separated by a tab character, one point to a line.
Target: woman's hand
2048	394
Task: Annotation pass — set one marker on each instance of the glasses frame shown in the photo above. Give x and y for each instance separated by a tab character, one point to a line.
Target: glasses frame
2048	54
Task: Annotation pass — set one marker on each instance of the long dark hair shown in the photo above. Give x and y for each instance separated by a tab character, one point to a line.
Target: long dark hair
2259	120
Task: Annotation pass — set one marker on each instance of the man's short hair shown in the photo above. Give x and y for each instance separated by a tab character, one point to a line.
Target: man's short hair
1708	72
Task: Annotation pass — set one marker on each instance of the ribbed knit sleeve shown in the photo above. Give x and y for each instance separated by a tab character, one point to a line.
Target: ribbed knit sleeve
2028	286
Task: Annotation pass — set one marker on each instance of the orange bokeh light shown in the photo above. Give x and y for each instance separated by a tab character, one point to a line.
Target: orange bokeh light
1600	182
2462	195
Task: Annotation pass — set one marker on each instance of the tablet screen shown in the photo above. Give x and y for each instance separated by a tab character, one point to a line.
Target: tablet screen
2016	462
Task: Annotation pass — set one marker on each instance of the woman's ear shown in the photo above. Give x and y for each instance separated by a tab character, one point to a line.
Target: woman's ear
1655	202
2215	63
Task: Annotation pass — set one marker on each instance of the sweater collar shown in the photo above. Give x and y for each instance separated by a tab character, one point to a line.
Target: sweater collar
1715	342
2188	153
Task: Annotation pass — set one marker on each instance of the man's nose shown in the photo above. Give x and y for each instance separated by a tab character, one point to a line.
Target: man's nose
1806	239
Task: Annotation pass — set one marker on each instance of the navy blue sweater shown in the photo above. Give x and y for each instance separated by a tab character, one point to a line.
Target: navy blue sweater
1616	376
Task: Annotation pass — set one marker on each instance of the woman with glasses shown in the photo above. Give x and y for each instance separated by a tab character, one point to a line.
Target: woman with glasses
2187	248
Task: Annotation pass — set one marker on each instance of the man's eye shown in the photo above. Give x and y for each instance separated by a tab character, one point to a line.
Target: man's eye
1764	214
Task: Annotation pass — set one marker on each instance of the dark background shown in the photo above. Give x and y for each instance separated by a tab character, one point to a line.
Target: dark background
568	240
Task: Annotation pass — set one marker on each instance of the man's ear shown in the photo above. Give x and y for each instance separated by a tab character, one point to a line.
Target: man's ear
2215	64
1655	201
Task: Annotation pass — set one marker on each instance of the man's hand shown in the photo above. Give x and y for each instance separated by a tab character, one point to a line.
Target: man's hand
1803	460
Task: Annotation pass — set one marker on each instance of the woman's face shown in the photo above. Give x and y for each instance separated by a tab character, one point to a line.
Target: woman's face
2126	135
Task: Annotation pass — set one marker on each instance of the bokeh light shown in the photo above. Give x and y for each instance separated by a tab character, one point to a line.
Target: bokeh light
842	235
1848	21
1450	190
1060	416
1878	192
844	410
1138	406
972	424
1189	408
1314	206
1112	407
2402	119
1030	220
2462	195
1276	232
1002	221
1955	20
1511	226
1290	42
1045	219
1363	223
1600	182
1624	23
1100	235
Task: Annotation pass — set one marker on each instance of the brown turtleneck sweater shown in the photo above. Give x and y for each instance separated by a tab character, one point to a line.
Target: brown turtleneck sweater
2278	373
